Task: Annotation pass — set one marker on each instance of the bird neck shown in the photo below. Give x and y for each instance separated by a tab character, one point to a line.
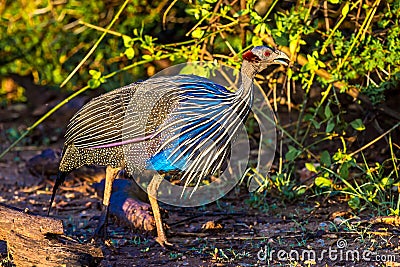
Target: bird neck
245	91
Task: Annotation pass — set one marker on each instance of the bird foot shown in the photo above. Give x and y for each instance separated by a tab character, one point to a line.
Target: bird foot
165	244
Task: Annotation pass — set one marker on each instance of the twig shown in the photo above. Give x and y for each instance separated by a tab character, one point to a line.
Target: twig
374	141
101	29
166	13
95	45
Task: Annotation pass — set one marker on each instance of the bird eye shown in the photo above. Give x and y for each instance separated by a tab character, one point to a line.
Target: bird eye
267	53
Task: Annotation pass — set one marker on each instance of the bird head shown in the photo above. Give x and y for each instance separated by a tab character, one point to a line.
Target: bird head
260	57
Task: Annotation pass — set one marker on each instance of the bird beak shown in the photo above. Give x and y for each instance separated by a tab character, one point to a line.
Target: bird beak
281	58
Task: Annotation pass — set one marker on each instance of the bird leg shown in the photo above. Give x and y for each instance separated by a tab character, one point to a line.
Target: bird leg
111	174
152	189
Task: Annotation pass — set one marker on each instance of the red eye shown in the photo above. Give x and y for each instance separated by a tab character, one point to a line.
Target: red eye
267	53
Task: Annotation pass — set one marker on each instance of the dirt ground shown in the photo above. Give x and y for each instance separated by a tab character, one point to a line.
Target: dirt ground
238	236
238	230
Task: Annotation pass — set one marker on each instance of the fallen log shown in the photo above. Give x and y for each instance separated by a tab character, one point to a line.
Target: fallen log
33	226
34	240
127	205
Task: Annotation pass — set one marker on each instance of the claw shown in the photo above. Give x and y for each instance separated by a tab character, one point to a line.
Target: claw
166	245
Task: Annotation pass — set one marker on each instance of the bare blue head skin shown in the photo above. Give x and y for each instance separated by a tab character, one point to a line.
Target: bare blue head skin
260	57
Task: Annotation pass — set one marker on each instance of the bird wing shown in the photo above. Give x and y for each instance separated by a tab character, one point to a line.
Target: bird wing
125	115
101	120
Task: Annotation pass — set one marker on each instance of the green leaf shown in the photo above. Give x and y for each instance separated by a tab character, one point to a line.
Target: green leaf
325	158
354	203
357	125
328	112
95	74
293	47
386	181
344	170
147	57
300	190
394	212
322	182
289	73
127	40
321	64
130	53
292	153
309	117
93	83
311	167
197	33
316	124
330	126
256	41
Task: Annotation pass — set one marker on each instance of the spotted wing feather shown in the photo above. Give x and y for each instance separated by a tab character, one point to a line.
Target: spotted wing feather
101	120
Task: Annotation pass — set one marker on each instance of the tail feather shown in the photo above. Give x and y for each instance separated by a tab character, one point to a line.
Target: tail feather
59	181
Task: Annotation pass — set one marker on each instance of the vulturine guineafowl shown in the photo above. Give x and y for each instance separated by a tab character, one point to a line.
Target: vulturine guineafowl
192	111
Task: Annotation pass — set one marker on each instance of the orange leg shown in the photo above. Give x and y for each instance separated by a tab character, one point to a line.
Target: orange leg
111	174
152	189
